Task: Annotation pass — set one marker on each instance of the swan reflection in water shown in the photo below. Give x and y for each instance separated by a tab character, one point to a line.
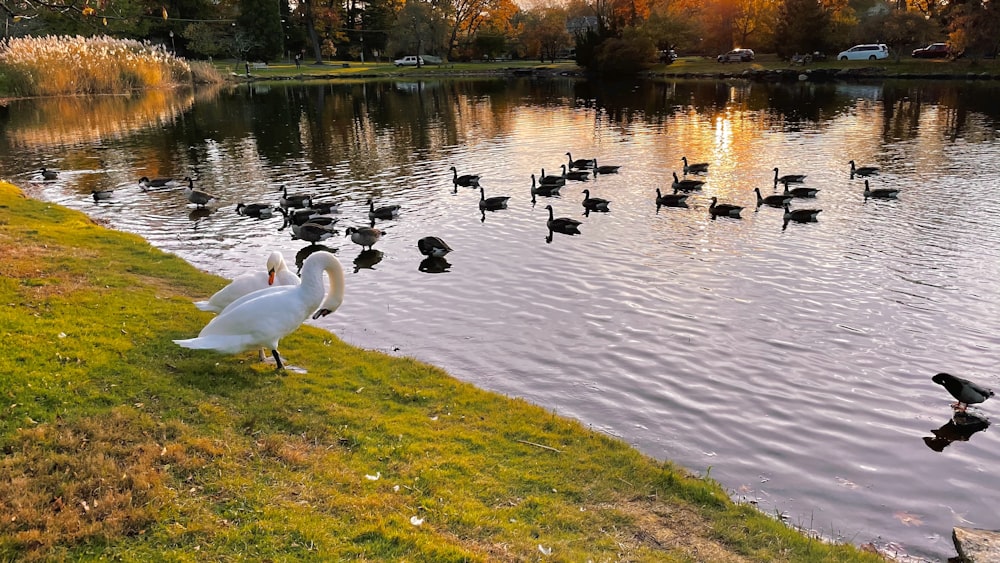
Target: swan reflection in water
959	428
367	260
306	251
434	265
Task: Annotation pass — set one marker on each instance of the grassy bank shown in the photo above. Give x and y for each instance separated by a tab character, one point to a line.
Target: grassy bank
119	444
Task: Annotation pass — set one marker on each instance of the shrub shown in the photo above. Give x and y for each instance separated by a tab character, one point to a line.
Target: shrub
39	66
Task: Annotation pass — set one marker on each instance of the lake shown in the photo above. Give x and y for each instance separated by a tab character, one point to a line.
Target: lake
792	363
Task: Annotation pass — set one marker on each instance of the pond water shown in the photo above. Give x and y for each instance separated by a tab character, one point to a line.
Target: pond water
792	362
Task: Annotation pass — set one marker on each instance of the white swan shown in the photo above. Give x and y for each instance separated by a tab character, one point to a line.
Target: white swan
263	317
277	273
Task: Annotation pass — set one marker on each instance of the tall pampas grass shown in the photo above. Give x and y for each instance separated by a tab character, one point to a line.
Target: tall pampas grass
57	65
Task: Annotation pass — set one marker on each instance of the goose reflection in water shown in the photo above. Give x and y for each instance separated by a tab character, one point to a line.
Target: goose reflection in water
306	251
367	260
434	265
199	213
959	428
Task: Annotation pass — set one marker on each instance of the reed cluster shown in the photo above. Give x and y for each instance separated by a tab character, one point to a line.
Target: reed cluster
58	65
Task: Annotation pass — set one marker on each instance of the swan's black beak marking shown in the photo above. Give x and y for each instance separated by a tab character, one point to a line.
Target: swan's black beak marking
321	313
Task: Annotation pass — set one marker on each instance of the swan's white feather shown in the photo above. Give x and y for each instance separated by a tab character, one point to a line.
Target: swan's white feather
249	283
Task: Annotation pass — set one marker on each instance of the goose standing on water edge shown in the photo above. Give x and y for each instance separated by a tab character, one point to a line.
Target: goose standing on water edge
467	180
687	184
966	392
788	178
262	318
863	170
364	236
433	247
277	273
675	199
880	193
696	168
197	197
594	203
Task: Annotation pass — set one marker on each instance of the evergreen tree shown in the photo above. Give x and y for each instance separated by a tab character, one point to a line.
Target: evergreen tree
261	19
802	27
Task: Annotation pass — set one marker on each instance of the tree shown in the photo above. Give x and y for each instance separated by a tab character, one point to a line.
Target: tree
420	29
544	34
904	30
261	19
802	27
975	28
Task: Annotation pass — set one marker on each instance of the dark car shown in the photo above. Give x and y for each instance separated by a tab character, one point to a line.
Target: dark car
932	51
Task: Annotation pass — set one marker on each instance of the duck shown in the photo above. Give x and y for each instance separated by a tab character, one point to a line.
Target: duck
101	195
966	392
48	174
862	170
433	247
492	203
696	168
364	236
605	168
197	197
551	180
260	319
724	209
276	273
384	212
775	200
145	183
467	180
255	210
595	203
581	163
800	191
880	193
675	199
296	201
544	189
687	184
800	215
312	232
577	175
563	225
788	178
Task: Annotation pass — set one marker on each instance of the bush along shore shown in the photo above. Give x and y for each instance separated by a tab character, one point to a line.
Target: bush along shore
119	444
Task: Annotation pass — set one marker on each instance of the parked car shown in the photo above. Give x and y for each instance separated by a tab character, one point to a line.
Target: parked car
869	51
932	51
736	56
409	60
668	56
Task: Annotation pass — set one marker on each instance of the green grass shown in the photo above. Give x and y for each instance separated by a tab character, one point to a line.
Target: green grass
118	444
890	66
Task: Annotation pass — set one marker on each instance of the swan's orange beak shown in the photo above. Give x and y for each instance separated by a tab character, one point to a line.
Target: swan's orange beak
270	277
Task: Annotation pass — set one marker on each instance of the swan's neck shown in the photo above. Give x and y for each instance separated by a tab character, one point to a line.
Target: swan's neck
312	282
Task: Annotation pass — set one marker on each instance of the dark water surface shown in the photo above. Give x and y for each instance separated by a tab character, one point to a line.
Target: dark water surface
794	362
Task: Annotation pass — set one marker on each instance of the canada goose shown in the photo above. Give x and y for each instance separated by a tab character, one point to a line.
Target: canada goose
801	192
966	392
49	174
687	184
594	203
255	210
696	168
303	216
544	189
863	170
145	183
880	193
724	209
801	215
101	195
563	225
788	178
433	247
312	232
675	199
197	197
605	168
776	200
384	212
581	162
551	180
578	175
492	203
325	207
467	180
262	318
297	201
364	236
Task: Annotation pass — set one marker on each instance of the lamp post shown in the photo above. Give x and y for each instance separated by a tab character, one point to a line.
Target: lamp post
173	48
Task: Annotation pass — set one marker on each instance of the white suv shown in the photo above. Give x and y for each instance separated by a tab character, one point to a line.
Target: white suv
869	52
409	60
